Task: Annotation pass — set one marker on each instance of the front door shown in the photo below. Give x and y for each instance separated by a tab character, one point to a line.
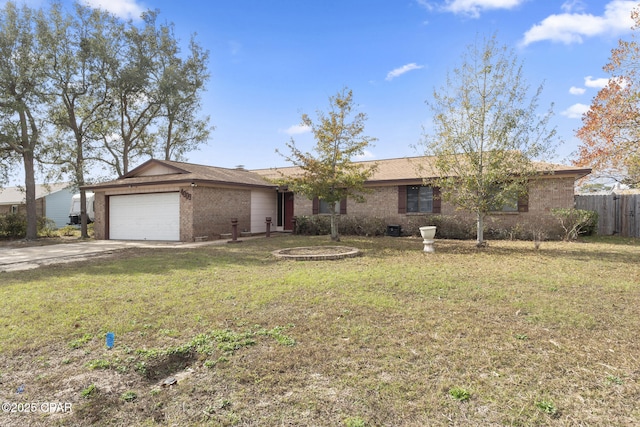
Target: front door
288	211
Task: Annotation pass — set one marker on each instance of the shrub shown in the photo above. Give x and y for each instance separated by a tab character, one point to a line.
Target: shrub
46	227
576	222
317	225
13	225
68	230
362	226
454	227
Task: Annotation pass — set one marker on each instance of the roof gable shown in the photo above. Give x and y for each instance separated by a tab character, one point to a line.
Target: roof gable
154	167
155	171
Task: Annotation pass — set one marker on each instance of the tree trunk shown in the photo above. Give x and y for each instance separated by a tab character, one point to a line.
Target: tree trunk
84	234
334	228
480	231
30	195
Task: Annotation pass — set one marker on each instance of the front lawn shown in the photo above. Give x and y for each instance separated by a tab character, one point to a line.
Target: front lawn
230	335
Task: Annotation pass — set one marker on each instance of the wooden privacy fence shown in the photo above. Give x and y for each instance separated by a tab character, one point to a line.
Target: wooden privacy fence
618	214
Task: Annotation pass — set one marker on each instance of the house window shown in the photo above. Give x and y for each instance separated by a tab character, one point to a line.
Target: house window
325	208
322	207
14	209
419	199
507	203
510	205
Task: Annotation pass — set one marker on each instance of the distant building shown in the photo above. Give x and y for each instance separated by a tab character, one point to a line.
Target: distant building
52	201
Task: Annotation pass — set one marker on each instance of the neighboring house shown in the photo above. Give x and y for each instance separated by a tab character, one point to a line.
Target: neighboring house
166	200
52	201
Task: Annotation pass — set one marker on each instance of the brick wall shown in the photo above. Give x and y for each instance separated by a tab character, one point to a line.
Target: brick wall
213	209
99	220
204	211
544	194
22	208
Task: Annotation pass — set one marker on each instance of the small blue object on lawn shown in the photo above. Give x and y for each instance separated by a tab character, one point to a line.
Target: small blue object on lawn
110	338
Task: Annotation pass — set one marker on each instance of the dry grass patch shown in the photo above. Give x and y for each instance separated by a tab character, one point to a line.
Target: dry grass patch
507	335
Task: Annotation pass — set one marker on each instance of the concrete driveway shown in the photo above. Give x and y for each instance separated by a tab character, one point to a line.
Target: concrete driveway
12	259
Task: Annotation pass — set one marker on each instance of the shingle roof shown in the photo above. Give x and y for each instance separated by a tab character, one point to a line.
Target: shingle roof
16	195
180	172
414	168
388	171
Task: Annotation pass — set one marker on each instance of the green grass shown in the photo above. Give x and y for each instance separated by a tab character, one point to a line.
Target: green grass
506	335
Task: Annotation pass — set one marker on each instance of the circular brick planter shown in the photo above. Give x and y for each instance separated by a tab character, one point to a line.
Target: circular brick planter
317	253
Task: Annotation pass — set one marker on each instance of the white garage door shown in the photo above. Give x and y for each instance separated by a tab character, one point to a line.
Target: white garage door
145	217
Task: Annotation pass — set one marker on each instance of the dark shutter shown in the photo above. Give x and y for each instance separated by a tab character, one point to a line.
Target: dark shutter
315	207
523	203
402	199
437	201
343	206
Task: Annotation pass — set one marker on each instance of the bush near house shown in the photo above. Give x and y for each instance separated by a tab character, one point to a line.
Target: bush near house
576	222
457	227
15	226
319	225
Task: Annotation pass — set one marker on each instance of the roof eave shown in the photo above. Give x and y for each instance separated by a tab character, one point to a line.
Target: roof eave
192	182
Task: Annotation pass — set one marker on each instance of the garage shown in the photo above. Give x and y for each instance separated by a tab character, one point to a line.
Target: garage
154	216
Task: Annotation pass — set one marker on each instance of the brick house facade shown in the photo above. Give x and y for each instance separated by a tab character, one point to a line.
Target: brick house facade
206	198
387	198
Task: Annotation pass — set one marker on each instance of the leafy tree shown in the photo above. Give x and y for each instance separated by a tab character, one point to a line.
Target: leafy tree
182	82
611	128
81	50
7	160
22	78
330	173
155	94
486	132
128	134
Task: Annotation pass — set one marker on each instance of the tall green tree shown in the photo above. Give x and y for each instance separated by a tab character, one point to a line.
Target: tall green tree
487	130
182	81
128	133
22	95
155	95
330	173
81	53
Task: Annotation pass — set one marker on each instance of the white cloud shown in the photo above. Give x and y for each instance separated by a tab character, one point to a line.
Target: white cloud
127	9
597	83
575	111
574	27
570	6
404	69
577	90
296	130
473	8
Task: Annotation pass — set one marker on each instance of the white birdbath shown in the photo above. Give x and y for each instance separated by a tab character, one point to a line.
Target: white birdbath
428	234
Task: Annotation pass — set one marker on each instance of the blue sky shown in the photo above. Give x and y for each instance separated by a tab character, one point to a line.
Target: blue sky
271	61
